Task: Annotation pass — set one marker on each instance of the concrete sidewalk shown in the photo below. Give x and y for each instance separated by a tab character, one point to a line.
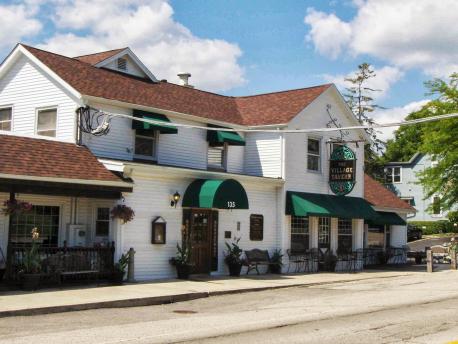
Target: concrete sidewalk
17	303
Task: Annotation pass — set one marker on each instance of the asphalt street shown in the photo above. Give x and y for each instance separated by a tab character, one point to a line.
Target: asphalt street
416	308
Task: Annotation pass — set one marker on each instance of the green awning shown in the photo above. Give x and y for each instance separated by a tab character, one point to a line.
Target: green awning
162	128
218	138
387	218
215	193
312	204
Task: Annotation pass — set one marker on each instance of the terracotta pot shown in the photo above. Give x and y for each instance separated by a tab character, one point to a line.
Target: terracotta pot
30	281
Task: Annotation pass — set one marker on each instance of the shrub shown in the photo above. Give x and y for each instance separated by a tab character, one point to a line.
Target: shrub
434	227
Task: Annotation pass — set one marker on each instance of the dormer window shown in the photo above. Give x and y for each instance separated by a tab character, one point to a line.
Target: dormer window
122	64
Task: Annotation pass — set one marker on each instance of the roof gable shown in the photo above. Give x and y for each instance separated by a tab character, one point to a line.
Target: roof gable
95	58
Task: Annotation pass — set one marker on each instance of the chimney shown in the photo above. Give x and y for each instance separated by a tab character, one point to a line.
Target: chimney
184	78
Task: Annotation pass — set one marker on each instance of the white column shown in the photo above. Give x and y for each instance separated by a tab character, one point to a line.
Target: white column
334	235
358	233
313	230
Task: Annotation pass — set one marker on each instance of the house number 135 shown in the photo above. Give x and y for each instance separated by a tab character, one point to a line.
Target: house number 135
231	204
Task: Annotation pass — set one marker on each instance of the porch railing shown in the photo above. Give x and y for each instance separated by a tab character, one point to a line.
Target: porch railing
73	262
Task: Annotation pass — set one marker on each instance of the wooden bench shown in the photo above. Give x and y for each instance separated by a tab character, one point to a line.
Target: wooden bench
256	257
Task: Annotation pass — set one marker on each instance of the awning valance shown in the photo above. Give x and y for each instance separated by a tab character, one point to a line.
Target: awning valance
215	193
387	218
162	128
312	204
217	138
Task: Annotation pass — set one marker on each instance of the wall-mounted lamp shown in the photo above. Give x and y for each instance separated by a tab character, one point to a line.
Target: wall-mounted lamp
175	199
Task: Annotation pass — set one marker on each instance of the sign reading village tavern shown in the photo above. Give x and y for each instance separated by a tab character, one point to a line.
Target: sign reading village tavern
342	170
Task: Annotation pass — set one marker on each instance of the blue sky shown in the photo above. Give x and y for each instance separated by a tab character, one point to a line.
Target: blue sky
243	47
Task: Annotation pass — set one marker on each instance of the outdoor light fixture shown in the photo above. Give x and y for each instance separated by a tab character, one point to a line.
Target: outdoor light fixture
175	199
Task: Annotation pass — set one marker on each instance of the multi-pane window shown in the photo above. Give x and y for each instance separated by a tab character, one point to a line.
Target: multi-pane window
313	155
44	218
46	122
436	205
345	235
102	223
145	143
256	227
5	119
324	232
393	174
299	233
216	157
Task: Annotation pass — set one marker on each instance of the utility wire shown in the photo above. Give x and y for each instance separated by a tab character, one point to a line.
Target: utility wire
252	130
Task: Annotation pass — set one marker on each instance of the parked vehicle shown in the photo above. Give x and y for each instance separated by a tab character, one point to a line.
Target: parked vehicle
413	233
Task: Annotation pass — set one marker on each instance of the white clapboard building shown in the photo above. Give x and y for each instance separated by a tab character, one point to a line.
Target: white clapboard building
70	147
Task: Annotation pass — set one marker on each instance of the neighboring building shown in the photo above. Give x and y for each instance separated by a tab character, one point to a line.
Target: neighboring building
271	189
402	179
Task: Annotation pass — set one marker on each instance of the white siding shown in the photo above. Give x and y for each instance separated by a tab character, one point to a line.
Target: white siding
263	154
132	67
151	198
27	88
235	159
315	116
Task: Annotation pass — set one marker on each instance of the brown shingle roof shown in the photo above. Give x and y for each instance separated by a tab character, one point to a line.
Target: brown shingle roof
379	196
272	108
93	59
45	158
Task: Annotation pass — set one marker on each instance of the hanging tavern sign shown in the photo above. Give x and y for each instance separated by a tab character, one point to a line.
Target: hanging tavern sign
342	170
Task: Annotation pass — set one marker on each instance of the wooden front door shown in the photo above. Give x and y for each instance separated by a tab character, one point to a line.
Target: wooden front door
202	232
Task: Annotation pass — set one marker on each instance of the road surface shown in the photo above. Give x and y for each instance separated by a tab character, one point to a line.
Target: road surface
415	308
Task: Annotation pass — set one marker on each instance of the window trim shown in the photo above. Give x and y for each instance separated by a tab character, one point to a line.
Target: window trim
155	141
224	162
320	162
45	108
8	106
306	235
392	174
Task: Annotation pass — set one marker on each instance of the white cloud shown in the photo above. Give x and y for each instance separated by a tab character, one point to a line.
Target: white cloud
408	34
384	78
148	28
395	115
17	22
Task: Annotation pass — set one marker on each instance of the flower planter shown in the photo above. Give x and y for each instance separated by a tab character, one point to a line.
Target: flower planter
234	269
275	269
30	281
183	271
117	277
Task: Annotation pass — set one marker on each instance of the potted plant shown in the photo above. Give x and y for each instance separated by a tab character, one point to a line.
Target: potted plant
120	269
330	261
122	212
14	206
31	264
276	262
233	258
182	262
382	257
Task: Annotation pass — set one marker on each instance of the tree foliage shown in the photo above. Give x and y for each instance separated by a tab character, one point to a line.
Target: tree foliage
438	139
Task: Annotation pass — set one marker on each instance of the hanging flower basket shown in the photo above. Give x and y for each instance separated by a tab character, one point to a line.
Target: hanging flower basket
122	212
16	207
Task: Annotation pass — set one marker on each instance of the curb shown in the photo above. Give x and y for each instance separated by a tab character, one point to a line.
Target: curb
161	300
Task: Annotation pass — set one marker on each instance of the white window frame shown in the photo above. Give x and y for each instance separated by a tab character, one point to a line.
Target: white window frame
3	107
37	111
320	164
432	205
155	141
223	163
392	174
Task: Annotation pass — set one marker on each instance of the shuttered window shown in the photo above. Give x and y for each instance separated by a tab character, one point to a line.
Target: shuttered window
5	119
216	157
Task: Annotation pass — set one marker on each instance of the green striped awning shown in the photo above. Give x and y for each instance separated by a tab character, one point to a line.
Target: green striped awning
215	193
162	128
218	138
387	218
313	204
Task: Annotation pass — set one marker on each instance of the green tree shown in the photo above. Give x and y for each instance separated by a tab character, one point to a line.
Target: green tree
439	139
359	98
